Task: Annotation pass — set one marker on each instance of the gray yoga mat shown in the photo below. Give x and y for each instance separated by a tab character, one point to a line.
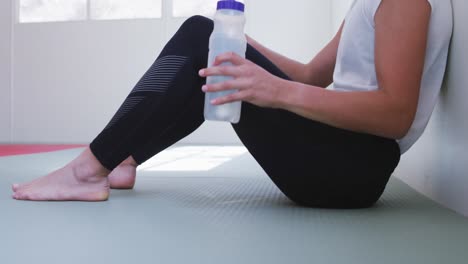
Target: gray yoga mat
231	214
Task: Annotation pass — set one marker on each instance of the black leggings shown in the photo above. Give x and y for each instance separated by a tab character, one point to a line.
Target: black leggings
311	163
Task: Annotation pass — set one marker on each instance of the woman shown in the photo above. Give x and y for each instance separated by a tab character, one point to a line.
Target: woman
333	148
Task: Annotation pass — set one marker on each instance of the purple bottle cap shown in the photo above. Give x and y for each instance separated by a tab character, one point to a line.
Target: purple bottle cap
231	4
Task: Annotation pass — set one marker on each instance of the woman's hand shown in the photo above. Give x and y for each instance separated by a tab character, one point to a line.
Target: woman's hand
254	84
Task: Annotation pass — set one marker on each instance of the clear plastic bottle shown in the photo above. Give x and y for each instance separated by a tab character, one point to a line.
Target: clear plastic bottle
228	36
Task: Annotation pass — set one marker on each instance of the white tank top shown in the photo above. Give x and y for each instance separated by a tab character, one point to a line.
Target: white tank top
355	67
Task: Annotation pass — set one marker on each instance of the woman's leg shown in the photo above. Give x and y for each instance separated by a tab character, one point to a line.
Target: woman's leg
312	163
164	93
317	165
124	176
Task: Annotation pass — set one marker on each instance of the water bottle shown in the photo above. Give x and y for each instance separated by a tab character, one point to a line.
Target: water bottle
228	36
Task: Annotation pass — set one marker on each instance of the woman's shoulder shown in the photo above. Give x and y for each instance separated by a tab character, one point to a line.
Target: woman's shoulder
370	7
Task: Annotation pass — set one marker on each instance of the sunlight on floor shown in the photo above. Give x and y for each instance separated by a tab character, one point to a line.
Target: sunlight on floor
192	158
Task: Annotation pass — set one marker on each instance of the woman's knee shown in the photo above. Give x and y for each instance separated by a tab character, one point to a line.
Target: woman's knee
198	25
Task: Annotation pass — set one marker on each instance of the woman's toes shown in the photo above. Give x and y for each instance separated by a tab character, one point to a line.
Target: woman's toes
18	195
21	195
15	187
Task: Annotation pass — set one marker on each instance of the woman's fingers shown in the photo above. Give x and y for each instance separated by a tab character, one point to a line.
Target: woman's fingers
231	57
220	66
225	70
223	86
234	97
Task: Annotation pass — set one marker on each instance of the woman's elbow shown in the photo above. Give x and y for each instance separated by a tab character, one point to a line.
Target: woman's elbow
403	121
400	133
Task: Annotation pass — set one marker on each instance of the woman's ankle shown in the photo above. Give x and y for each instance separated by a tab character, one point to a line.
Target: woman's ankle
130	161
87	165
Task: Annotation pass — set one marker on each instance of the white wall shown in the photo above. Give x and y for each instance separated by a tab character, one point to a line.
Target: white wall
5	69
298	30
438	164
339	10
70	77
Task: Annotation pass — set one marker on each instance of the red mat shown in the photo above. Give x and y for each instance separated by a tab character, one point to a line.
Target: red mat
11	150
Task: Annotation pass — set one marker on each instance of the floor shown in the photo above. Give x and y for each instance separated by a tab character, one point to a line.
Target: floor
216	205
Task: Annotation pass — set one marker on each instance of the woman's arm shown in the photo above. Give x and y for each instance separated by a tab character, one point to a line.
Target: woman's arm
400	45
318	72
401	34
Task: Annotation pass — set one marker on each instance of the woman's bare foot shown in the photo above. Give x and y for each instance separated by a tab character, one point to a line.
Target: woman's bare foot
83	179
123	177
